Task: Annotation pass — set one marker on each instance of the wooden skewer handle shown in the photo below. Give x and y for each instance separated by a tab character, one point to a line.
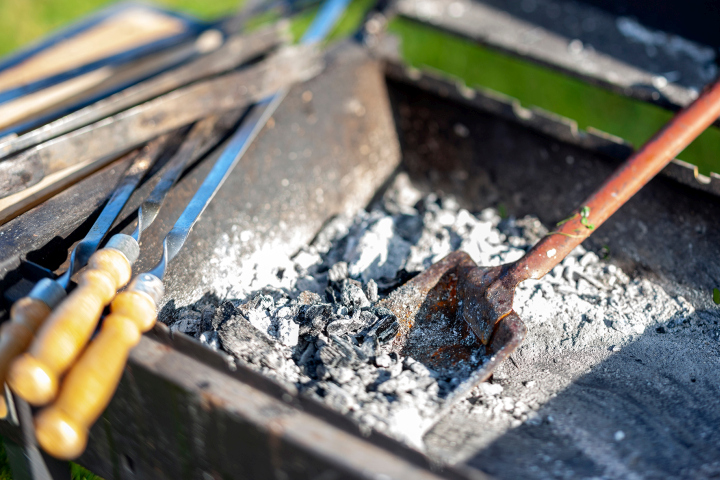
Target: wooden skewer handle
34	375
26	316
62	428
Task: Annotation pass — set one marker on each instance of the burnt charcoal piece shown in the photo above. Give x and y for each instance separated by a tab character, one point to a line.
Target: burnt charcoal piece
220	315
371	291
352	295
314	318
207	319
386	327
331	295
352	353
338	273
341	325
259	302
239	337
330	356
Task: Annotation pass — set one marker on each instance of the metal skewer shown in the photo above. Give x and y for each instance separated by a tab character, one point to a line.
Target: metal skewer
102	140
122	250
29	313
235	51
62	428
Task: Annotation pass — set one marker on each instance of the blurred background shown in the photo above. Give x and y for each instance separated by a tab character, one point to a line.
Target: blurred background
25	21
22	21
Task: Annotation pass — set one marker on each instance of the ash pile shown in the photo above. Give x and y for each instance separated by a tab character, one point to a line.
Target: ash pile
314	321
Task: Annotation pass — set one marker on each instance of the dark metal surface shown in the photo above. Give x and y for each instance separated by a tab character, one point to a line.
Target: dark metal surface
561	128
576	39
199	139
141	163
103	140
235	51
252	124
238	144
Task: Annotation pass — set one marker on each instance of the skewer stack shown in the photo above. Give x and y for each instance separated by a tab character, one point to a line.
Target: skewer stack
192	88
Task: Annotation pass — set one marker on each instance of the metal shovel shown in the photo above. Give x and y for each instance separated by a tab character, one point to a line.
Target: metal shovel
457	317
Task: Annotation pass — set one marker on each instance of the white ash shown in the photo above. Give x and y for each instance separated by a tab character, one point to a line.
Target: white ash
311	320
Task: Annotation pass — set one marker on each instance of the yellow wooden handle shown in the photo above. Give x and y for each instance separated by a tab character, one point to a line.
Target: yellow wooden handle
34	375
62	428
26	316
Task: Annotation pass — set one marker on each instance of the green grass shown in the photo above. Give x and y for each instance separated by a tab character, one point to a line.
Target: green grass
5	473
76	471
533	85
23	21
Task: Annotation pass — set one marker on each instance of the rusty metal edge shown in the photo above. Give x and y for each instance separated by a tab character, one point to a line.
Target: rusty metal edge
555	59
550	124
224	363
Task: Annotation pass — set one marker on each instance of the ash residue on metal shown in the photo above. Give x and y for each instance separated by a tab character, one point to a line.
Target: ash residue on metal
322	321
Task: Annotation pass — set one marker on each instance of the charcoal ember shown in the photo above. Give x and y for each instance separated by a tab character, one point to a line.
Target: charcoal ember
369	346
258	312
367	318
240	338
341	325
353	353
352	295
226	311
258	302
278	296
308	298
371	291
386	327
338	272
332	295
307	356
314	318
208	316
188	322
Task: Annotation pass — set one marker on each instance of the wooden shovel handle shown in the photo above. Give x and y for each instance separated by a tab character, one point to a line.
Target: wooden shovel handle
26	316
623	184
62	428
34	376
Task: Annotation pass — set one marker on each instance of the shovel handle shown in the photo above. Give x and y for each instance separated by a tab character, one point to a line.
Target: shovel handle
62	428
639	169
34	375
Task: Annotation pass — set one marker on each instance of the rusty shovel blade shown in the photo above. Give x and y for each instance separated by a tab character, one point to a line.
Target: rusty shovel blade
457	318
431	312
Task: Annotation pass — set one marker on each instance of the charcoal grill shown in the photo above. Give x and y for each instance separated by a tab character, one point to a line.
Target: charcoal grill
184	411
